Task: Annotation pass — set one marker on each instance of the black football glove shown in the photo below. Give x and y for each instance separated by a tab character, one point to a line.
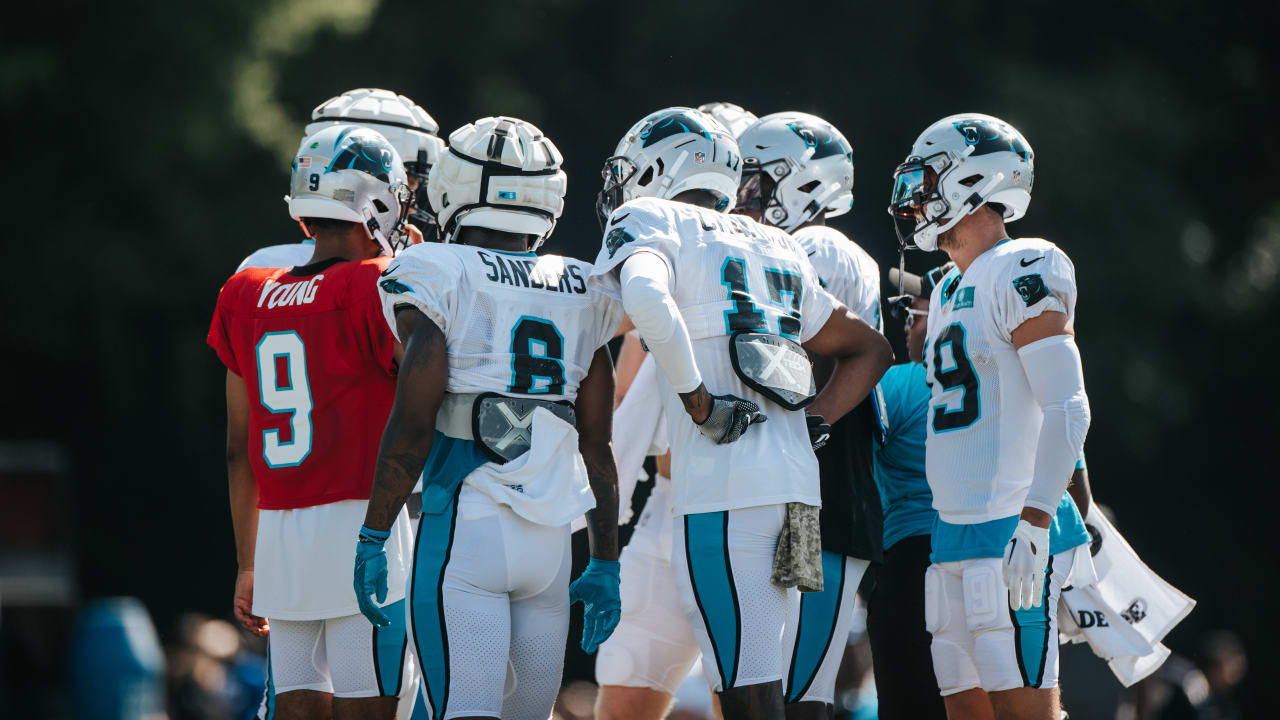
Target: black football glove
729	418
819	430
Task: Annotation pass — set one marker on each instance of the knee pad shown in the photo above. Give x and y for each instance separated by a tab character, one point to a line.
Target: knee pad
950	647
953	667
614	665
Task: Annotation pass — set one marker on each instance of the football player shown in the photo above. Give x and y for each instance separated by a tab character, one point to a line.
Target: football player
797	172
905	685
725	304
408	128
643	663
1007	420
506	390
310	378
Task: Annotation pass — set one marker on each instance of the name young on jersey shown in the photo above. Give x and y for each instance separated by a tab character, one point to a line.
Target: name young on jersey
277	294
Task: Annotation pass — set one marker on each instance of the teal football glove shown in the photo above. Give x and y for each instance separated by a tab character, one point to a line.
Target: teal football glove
597	588
371	574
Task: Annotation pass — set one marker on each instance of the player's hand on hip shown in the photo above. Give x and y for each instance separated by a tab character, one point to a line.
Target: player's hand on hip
1025	559
371	574
819	430
598	589
729	418
242	605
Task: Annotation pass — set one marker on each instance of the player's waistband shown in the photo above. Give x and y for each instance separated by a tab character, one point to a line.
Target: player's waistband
454	418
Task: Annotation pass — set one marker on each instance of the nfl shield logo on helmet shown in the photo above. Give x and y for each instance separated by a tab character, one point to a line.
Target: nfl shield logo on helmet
699	157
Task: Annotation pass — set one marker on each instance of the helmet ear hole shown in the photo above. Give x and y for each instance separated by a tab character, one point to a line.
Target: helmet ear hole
647	177
809	186
971	180
379	205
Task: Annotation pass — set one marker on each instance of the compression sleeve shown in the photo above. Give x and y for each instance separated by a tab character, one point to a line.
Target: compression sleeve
1054	372
646	296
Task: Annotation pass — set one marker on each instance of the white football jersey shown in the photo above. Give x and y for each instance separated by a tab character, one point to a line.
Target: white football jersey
514	323
983	421
844	269
276	256
729	273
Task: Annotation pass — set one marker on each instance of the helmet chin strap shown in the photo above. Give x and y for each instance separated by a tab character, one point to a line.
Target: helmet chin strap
902	269
369	224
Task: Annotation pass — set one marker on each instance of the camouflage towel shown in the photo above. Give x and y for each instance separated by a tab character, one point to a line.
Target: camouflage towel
798	560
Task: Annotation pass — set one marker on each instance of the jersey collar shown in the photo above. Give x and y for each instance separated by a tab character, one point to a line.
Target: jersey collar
315	267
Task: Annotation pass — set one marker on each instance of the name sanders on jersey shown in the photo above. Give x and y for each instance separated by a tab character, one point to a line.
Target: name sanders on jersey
519	272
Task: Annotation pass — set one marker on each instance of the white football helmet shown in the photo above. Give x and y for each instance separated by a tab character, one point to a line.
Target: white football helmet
667	153
794	166
413	132
957	165
499	173
733	117
350	173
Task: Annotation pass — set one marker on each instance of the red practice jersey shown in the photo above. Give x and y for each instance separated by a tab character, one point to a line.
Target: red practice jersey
317	359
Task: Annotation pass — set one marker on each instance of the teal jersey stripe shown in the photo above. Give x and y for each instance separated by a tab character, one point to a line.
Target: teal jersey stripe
450	462
818	612
389	645
711	575
1031	635
431	641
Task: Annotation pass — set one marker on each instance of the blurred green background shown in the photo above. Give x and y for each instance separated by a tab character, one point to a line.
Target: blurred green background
149	148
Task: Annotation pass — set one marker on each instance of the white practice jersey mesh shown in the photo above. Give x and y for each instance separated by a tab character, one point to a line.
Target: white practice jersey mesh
984	422
514	323
728	273
274	256
845	270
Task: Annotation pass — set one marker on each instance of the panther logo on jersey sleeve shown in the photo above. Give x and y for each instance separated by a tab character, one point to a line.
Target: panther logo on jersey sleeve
616	238
1031	288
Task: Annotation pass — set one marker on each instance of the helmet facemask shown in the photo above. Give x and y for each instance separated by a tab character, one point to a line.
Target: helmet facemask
758	192
421	215
917	205
397	238
616	173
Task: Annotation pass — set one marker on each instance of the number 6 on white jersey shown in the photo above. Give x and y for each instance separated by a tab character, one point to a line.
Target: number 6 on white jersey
283	387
